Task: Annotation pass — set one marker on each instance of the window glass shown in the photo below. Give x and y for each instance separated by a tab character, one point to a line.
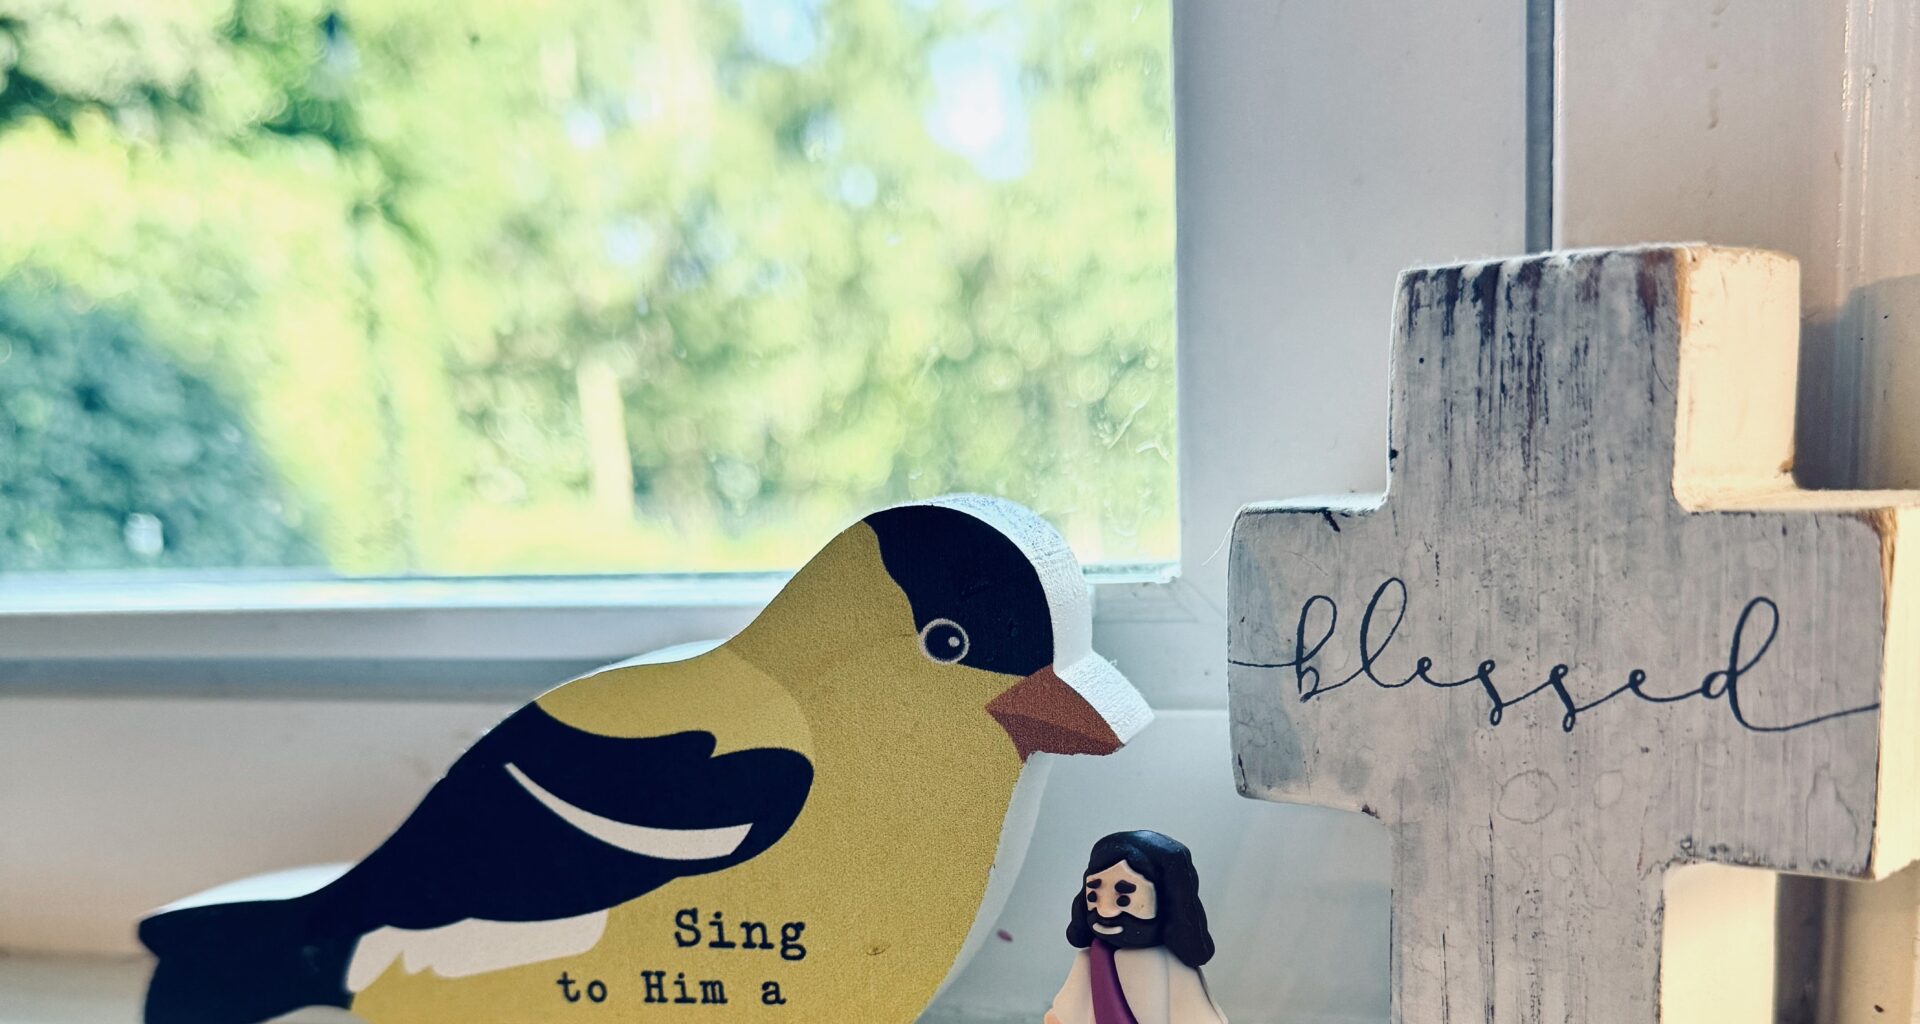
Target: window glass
387	287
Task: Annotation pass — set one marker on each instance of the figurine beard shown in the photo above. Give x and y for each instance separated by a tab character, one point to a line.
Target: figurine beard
1133	932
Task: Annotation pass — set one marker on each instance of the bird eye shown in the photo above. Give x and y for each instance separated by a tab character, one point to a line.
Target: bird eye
944	641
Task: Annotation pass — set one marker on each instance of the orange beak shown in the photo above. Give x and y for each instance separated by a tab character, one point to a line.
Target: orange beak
1042	713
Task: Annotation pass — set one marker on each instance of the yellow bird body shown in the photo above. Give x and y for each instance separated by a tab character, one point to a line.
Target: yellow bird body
917	734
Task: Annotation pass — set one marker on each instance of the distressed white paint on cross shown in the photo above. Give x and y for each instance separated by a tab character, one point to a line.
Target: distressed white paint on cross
1593	631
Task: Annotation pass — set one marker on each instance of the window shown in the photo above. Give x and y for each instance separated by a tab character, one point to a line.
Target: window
398	287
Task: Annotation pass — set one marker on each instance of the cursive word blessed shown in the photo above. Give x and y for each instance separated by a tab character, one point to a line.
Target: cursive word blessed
1753	634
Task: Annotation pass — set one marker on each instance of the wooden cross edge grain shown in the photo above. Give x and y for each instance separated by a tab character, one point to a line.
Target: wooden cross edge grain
1591	485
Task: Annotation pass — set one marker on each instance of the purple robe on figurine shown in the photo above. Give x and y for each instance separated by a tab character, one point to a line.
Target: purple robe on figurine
1154	987
1109	1002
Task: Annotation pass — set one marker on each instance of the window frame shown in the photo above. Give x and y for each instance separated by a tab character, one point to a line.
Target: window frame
448	639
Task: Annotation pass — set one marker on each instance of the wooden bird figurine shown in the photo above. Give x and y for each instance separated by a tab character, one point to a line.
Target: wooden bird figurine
818	815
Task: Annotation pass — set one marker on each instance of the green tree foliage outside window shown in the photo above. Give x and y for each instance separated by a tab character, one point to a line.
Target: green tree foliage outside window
502	286
116	458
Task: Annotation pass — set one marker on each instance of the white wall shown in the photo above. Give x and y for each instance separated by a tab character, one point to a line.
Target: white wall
116	806
1781	124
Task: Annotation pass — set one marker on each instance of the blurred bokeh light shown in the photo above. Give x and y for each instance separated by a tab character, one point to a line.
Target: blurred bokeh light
390	287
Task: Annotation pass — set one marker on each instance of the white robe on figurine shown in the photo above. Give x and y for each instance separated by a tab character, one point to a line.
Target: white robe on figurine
1158	987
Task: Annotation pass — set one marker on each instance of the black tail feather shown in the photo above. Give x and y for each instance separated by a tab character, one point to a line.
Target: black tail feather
242	963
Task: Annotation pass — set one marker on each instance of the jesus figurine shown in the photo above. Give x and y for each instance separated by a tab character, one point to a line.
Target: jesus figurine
1142	936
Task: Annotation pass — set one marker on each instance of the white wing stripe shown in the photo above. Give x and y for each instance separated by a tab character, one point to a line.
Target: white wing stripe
472	946
661	843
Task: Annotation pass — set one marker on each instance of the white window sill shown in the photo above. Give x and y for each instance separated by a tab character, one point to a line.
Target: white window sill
41	989
112	595
431	639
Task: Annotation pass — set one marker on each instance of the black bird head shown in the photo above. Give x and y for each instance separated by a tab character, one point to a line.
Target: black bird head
994	588
962	606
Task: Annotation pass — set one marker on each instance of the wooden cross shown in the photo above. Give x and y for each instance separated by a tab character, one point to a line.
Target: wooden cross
1594	630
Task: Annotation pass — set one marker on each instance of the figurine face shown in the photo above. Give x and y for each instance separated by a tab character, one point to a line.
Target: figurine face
1122	908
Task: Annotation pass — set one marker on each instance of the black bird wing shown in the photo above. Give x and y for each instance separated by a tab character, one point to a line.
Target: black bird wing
540	820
